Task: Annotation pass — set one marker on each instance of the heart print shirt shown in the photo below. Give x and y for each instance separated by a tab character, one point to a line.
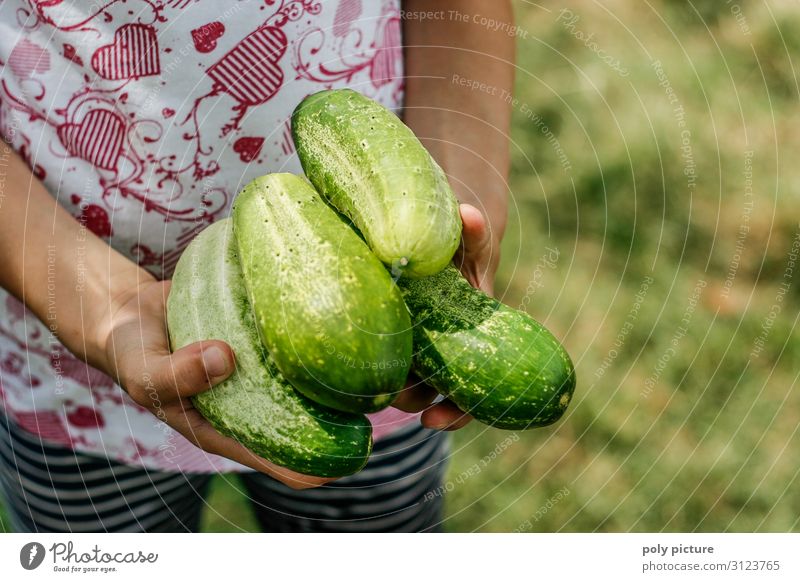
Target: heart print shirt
144	118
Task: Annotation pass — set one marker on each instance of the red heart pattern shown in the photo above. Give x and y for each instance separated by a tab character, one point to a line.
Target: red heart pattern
64	364
382	71
97	138
249	72
48	424
133	54
205	38
85	417
12	364
248	148
347	12
27	58
95	218
15	308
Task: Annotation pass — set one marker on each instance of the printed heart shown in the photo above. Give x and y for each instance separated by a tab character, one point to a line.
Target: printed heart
12	364
286	141
133	54
248	148
97	138
347	12
27	58
67	366
95	218
249	72
383	68
15	308
85	417
167	112
47	424
205	38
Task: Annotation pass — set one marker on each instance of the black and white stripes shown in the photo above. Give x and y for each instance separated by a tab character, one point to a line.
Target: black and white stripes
388	495
48	488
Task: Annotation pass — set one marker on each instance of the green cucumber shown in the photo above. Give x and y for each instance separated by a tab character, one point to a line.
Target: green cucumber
494	362
374	170
256	405
327	310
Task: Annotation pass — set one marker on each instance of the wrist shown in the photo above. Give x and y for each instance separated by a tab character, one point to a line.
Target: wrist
109	312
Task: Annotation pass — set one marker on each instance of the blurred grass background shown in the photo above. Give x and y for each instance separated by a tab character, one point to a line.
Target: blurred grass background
706	440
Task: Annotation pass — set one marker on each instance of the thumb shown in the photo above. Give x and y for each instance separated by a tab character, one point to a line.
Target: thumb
194	368
476	238
475	256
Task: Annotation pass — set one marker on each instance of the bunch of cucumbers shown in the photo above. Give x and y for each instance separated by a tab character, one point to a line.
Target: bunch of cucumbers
330	292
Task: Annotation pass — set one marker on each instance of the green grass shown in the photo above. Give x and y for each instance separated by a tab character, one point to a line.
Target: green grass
228	508
713	444
4	525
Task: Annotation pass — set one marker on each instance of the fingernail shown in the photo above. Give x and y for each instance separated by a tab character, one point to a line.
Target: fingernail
215	361
438	426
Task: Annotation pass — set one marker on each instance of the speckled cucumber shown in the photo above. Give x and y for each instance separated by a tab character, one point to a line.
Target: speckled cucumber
373	169
256	405
327	310
494	362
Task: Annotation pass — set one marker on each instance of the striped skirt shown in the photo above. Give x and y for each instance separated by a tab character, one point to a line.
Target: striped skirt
49	488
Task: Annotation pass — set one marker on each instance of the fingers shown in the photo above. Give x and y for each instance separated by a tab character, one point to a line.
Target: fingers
475	231
415	397
445	415
184	418
418	396
476	258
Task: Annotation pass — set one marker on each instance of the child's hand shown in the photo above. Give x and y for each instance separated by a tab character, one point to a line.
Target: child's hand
477	258
138	356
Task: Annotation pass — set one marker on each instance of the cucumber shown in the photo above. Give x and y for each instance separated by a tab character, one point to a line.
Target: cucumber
255	405
327	310
494	362
374	170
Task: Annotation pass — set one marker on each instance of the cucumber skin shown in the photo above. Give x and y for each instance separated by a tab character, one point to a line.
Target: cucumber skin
374	170
256	405
494	362
327	310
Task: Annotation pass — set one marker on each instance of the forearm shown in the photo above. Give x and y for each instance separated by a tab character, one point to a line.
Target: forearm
68	277
466	129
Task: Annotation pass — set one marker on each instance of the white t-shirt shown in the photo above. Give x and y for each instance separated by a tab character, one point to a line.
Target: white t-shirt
144	118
